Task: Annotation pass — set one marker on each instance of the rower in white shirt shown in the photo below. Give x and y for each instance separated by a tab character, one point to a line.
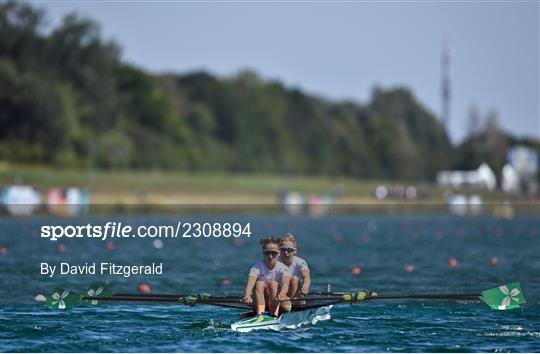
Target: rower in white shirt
299	268
270	279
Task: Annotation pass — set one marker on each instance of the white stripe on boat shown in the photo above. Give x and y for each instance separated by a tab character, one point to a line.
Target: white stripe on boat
286	320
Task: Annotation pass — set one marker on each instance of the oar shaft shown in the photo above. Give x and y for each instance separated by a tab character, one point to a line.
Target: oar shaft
467	296
131	298
464	296
176	296
219	301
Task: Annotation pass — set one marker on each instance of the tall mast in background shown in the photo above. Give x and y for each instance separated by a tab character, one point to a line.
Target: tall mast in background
445	89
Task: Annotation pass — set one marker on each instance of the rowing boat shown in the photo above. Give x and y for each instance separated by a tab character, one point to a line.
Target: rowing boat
287	320
311	308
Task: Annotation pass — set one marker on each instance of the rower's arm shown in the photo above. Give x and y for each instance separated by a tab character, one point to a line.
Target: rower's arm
285	281
250	284
307	281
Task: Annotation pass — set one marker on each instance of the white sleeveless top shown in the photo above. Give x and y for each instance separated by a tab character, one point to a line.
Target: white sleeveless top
297	266
279	271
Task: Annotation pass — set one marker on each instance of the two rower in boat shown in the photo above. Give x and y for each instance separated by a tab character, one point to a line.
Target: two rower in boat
276	281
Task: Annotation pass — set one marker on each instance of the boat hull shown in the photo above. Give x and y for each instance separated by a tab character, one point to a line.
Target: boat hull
286	320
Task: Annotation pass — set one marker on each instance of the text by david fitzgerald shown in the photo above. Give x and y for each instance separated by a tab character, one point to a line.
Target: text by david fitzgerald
103	268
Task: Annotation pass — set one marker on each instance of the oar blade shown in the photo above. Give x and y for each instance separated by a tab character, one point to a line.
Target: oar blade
504	297
96	291
63	299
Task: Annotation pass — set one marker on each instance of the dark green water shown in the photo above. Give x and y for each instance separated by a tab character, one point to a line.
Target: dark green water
381	245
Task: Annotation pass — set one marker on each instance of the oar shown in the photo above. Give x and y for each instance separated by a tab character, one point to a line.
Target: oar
368	293
66	299
371	295
504	297
363	295
175	296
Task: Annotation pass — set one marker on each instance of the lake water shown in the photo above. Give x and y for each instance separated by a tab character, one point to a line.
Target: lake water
381	245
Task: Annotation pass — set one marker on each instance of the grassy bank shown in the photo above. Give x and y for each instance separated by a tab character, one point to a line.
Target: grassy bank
156	190
175	184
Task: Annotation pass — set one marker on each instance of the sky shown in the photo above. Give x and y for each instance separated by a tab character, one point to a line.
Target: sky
342	50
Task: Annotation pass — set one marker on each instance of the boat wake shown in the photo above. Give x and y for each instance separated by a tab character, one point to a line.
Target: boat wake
511	334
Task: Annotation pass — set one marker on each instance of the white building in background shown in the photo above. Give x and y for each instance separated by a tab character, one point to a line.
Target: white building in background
510	180
524	160
483	177
519	174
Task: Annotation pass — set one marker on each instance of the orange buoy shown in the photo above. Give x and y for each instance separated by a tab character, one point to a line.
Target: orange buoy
3	250
338	238
225	282
356	271
494	260
62	248
365	238
144	288
452	262
409	268
110	246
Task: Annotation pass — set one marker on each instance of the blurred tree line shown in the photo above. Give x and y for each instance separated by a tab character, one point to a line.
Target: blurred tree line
487	142
67	99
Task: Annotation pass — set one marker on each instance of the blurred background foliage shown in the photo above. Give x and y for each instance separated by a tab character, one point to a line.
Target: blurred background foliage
67	99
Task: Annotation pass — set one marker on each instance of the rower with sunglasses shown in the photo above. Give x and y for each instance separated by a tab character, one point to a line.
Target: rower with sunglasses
299	269
270	279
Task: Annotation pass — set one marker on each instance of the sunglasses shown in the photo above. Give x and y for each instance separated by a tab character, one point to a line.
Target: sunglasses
287	249
271	253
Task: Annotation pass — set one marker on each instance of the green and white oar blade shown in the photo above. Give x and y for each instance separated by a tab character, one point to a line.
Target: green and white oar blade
96	291
504	297
63	299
